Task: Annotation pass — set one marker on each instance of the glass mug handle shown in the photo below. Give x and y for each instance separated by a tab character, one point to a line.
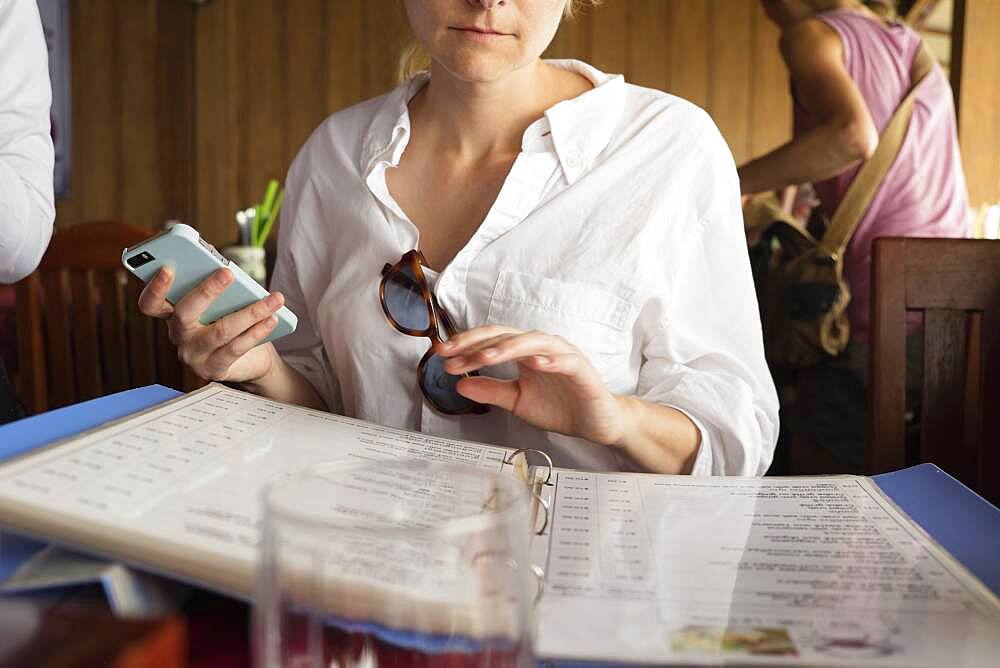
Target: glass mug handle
510	562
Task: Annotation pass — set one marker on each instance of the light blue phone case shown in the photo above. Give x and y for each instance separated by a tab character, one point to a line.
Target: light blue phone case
192	260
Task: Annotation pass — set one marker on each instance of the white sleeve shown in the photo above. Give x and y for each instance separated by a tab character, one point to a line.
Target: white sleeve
703	351
27	210
298	275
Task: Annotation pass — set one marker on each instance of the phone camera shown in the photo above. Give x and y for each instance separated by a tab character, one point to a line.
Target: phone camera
140	259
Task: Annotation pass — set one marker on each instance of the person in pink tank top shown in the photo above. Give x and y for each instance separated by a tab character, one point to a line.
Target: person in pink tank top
849	63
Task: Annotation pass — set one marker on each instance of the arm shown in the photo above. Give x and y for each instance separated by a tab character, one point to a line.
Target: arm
285	383
557	389
658	438
846	133
704	353
228	350
299	275
26	154
704	402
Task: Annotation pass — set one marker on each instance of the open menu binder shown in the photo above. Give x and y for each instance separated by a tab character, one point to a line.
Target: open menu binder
174	489
639	568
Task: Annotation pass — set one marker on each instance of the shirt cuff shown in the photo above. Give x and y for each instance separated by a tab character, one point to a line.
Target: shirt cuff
703	460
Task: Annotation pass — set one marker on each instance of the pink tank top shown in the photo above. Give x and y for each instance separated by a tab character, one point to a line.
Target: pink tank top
924	192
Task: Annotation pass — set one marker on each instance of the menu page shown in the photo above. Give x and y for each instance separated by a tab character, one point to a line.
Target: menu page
652	569
177	488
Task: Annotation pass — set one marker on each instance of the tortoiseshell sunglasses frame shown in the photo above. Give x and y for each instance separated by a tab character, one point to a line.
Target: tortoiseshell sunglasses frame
414	261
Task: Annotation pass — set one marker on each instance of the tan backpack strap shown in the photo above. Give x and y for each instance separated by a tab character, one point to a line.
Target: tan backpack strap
866	183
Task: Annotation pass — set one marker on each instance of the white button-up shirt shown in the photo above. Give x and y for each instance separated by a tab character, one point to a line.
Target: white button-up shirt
26	155
618	227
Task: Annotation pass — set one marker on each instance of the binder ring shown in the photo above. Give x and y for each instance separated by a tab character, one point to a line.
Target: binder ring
540	576
545	506
548	475
488	506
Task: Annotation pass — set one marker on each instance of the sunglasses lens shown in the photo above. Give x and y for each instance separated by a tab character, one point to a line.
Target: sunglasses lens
405	300
440	386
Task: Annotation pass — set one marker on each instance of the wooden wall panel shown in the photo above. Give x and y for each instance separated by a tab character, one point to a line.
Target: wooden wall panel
609	36
572	38
96	165
690	51
138	155
132	72
978	100
770	122
184	112
731	76
344	76
649	63
259	98
307	37
263	90
217	116
384	34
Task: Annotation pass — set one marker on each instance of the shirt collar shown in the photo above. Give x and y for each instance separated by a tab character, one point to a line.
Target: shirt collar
579	128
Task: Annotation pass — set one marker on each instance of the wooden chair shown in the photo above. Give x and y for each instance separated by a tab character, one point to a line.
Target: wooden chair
80	334
956	284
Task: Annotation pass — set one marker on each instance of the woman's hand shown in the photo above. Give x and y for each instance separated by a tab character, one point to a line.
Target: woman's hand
225	350
557	389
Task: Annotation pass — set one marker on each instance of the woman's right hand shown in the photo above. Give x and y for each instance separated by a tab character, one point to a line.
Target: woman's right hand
225	350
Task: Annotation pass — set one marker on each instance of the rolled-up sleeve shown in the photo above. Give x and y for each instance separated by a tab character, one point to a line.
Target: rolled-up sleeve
703	351
27	210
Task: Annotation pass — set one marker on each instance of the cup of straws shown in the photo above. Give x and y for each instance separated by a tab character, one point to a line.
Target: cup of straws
254	225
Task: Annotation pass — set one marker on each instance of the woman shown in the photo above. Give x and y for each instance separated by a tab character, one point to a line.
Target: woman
584	233
850	68
27	209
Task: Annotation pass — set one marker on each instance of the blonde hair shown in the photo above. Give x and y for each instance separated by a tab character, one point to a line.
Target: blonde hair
413	58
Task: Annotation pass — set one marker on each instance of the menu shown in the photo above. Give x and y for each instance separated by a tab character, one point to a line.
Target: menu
825	570
639	568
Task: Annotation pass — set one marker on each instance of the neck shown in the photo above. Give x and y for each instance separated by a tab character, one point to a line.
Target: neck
472	120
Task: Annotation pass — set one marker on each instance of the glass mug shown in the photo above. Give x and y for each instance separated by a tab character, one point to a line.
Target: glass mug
382	563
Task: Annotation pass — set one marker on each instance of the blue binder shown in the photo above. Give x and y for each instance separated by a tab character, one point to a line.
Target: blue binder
18	438
961	521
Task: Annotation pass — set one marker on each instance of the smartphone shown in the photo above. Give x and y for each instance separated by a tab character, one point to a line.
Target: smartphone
192	260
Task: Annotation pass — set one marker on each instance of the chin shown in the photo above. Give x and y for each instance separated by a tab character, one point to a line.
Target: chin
480	68
479	72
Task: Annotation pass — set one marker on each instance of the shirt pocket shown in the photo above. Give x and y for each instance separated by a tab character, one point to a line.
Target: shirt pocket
594	320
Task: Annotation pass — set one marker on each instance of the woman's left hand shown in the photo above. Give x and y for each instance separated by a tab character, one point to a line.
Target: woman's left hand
557	389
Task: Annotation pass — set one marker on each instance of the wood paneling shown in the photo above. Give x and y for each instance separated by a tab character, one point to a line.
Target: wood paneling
770	122
269	72
720	54
732	81
690	51
257	105
649	63
184	112
132	76
978	98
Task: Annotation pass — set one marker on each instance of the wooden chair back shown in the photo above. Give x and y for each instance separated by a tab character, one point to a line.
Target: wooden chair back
79	331
956	284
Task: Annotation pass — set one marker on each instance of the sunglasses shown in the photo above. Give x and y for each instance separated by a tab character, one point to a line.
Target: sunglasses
412	309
